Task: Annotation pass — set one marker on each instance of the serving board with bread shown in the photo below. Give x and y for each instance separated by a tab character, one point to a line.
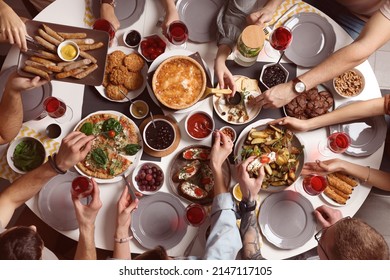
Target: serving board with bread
42	59
190	175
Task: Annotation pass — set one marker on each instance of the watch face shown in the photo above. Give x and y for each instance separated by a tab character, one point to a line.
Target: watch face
300	87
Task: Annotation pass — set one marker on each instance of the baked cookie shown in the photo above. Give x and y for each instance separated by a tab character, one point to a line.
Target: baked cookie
134	62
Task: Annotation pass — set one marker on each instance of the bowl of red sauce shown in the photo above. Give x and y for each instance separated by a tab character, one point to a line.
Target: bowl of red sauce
199	125
159	135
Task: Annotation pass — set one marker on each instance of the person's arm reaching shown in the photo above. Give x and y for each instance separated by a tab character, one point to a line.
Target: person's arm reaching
86	216
350	112
11	106
224	76
74	148
171	14
374	35
12	27
265	13
249	229
107	12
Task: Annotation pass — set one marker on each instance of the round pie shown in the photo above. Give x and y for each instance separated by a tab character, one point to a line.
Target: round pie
179	82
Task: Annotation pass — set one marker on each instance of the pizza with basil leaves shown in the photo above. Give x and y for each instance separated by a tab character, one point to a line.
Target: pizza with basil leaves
116	140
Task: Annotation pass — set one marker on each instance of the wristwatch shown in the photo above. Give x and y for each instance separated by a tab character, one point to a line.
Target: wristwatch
110	2
299	86
246	206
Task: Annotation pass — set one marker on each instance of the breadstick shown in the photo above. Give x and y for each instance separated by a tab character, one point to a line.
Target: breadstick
72	72
340	193
87	71
55	68
338	184
64	63
334	196
48	55
36	71
45	43
77	64
353	183
86	41
72	35
52	33
84	54
41	60
91	47
48	38
38	66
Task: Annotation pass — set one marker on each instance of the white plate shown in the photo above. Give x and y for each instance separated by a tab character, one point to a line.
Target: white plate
261	124
158	61
286	219
313	39
220	108
133	93
367	135
134	159
55	203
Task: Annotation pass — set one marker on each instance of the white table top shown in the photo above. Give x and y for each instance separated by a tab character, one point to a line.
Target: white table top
71	12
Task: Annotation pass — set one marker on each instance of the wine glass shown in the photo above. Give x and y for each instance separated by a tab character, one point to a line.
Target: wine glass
337	142
177	34
279	40
105	25
314	184
57	109
195	214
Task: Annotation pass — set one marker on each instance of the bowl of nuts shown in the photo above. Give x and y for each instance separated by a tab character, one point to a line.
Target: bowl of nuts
349	84
229	131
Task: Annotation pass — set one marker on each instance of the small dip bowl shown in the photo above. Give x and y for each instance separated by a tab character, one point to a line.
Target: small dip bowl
229	131
161	137
151	47
273	74
199	125
53	130
139	109
68	50
349	84
25	154
148	178
132	38
236	191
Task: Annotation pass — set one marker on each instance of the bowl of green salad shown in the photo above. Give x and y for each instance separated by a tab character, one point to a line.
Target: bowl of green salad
25	154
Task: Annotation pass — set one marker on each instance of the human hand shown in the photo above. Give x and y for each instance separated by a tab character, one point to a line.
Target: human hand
250	187
322	167
170	16
86	214
222	148
276	96
124	208
225	77
327	216
17	83
107	12
291	123
260	17
12	27
74	148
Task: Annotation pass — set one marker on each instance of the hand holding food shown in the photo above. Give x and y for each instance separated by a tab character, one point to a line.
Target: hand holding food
249	186
291	123
18	83
222	148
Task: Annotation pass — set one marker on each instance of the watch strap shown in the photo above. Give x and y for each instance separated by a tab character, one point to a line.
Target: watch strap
110	2
246	206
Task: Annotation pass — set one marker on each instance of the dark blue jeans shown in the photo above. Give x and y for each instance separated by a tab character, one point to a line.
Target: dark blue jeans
348	21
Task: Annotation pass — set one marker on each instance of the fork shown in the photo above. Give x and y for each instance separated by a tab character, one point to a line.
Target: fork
269	28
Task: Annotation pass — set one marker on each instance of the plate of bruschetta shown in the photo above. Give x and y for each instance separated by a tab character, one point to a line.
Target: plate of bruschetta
191	177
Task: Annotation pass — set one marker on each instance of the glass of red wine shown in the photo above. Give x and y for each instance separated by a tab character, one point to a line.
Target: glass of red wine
57	109
177	34
279	40
105	25
195	214
81	187
314	184
337	142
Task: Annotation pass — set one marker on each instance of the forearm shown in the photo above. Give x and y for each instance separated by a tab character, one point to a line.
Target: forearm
219	182
86	246
273	4
222	53
358	110
169	5
122	250
11	114
250	235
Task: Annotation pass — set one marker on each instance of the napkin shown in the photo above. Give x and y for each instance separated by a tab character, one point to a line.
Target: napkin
50	145
89	19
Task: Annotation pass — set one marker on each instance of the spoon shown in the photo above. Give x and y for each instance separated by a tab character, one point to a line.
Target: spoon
151	115
235	100
139	111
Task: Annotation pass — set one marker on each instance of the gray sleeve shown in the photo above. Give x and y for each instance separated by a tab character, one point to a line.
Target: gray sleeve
224	241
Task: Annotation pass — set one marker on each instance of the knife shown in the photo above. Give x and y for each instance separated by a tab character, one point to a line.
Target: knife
131	192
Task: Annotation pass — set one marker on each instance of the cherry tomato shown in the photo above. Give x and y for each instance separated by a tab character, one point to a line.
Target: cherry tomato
153	56
264	159
111	133
144	44
159	51
190	169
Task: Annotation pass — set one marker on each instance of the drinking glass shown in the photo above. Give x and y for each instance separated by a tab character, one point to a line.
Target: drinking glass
195	214
337	142
177	34
314	184
279	40
57	109
105	25
81	187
